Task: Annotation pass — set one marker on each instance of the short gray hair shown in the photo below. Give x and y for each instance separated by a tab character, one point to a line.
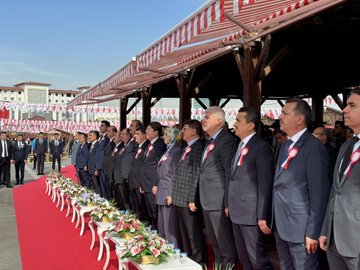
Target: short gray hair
172	133
216	110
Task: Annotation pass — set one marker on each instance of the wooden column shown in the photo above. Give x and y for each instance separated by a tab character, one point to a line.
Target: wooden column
123	106
184	98
251	87
146	109
317	109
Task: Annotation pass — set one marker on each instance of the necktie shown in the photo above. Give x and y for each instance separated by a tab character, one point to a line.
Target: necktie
5	148
209	141
237	155
284	152
40	141
347	155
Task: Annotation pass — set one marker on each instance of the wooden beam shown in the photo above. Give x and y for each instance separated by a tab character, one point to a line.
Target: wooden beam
235	21
201	84
263	58
123	106
280	102
239	61
225	102
338	101
133	105
317	109
274	62
191	78
145	95
184	100
201	103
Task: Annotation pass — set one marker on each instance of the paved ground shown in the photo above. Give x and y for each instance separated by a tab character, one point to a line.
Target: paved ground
9	244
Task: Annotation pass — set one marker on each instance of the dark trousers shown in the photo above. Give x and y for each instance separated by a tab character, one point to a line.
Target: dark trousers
293	256
251	247
122	195
103	184
220	236
191	233
35	158
19	171
5	170
168	224
138	204
40	163
95	183
152	208
84	178
56	158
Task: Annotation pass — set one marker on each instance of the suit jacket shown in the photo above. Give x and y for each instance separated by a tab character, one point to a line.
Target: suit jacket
186	177
301	192
111	166
56	150
107	156
41	148
117	172
149	177
215	173
91	165
343	210
250	187
9	149
82	155
128	158
19	153
103	142
135	170
74	152
166	169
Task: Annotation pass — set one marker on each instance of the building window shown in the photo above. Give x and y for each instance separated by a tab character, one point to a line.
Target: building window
49	100
68	95
5	98
56	101
12	99
62	101
56	94
19	93
19	98
62	95
37	96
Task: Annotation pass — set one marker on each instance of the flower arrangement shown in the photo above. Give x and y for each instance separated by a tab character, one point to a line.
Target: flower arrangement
128	226
146	248
105	212
86	198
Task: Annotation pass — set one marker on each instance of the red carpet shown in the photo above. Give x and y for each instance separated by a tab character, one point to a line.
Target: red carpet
48	239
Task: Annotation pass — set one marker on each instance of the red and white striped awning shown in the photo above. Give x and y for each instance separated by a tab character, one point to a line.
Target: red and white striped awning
212	26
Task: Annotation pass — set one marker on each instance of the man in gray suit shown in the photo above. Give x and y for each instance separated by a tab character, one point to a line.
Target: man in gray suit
340	232
300	190
250	191
214	185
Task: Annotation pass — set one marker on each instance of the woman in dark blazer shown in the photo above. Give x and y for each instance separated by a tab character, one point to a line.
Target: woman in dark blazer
168	224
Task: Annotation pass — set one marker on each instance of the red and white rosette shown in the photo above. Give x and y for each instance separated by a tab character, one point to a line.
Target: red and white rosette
355	157
151	147
114	151
138	153
187	151
209	149
163	158
292	153
243	153
121	151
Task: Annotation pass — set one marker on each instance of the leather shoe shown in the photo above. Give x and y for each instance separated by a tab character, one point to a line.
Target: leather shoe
21	183
9	186
16	183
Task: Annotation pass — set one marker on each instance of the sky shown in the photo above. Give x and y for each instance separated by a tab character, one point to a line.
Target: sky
73	43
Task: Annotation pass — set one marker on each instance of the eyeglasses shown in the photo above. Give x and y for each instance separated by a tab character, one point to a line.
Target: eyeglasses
185	128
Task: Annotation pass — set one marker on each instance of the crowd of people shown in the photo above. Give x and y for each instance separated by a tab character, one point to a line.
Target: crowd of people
204	183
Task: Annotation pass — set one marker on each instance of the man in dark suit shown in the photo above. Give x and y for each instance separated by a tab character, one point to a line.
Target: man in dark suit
185	191
81	160
111	166
56	151
130	147
5	159
214	184
107	161
103	142
340	232
250	191
20	154
300	190
41	148
91	165
137	199
149	176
